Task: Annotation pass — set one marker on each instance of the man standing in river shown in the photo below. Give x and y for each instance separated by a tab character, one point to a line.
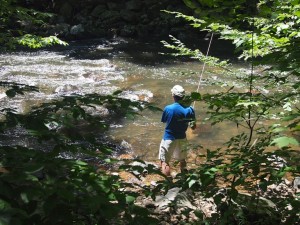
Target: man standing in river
177	118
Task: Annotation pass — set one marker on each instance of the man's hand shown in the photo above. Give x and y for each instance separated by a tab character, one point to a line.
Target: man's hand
192	125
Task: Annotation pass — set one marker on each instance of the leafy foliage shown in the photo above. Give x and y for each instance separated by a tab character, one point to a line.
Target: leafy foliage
228	173
15	88
256	31
33	41
41	186
266	33
20	25
44	189
181	50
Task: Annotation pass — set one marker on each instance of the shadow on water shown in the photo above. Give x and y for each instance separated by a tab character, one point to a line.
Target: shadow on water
147	53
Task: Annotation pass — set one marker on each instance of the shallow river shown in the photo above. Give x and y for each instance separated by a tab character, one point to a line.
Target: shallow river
104	66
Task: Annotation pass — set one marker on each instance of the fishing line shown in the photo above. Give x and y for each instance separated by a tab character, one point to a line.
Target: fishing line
252	56
251	126
203	67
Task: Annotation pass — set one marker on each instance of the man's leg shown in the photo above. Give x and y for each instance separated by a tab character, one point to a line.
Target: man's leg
165	168
165	152
181	153
182	164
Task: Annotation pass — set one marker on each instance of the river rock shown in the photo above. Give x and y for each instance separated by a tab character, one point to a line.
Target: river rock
114	6
261	208
61	29
66	10
128	31
163	201
99	17
110	17
297	184
277	161
96	110
129	16
134	5
143	31
77	29
98	10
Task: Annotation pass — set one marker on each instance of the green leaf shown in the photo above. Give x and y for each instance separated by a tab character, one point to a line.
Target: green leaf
196	96
191	4
290	117
284	142
246	104
233	193
111	197
214	169
191	183
117	92
81	163
297	13
24	197
130	199
4	205
297	128
11	93
32	169
279	129
209	3
198	213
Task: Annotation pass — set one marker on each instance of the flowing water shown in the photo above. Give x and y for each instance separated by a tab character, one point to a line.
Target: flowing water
104	66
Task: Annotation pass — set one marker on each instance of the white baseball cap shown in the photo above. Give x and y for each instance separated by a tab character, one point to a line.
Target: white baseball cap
177	90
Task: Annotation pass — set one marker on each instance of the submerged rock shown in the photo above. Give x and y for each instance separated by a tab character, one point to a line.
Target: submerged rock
67	88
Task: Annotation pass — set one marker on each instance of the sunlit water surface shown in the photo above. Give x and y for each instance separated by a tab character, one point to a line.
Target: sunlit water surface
102	66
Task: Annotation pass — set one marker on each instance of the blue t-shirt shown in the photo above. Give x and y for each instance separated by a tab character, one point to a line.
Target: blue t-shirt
176	118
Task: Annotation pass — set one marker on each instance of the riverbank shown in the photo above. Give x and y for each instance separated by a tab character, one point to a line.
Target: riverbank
174	203
139	19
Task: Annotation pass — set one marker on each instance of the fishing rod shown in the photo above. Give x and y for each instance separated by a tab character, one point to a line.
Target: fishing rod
203	67
201	74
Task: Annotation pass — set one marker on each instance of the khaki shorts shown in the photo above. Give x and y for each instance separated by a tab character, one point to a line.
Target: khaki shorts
176	148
